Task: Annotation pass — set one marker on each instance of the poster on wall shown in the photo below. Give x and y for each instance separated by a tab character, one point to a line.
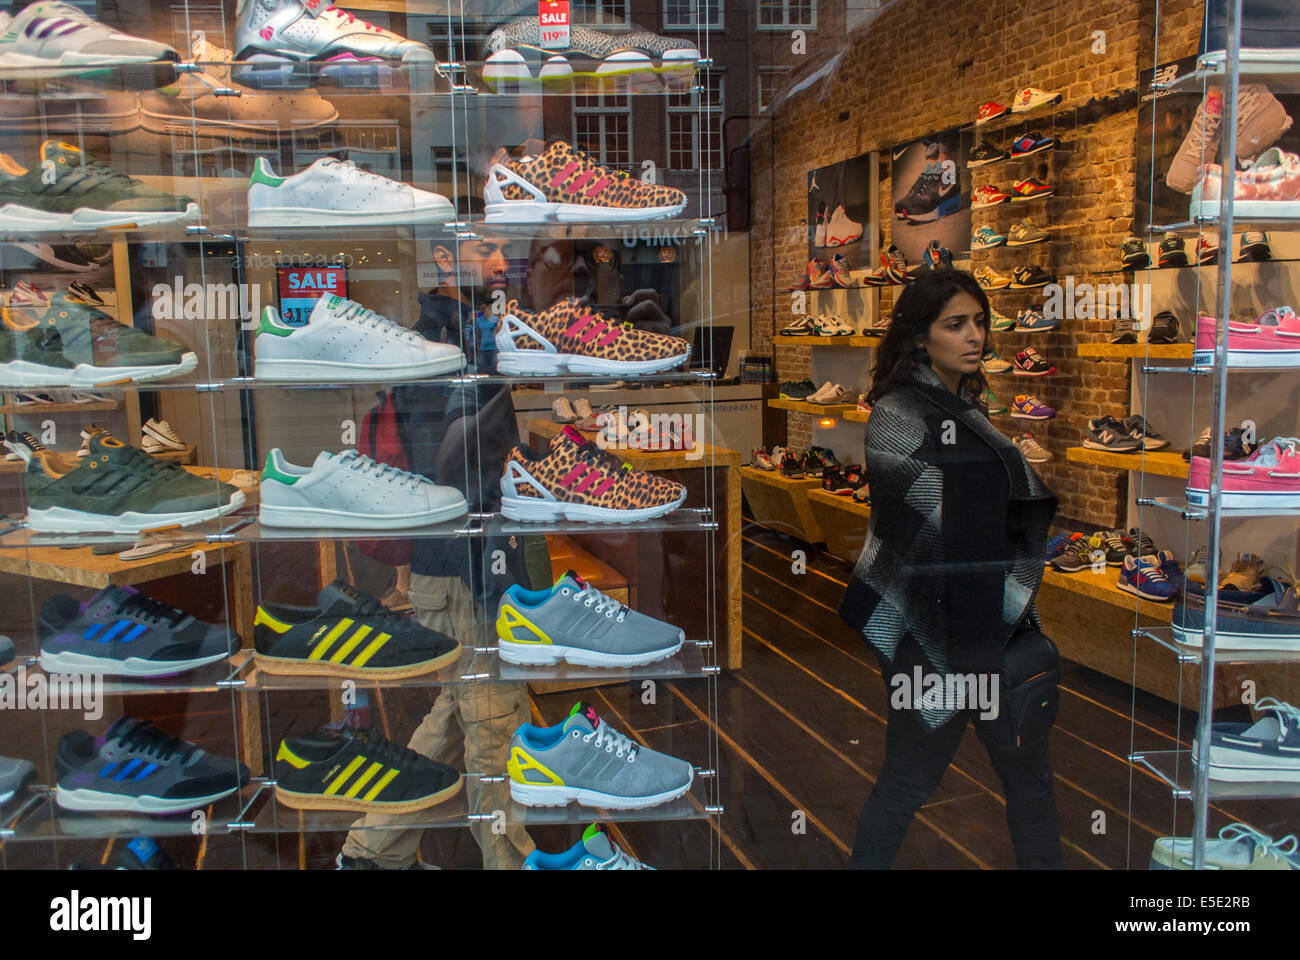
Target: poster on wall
839	211
931	194
1174	143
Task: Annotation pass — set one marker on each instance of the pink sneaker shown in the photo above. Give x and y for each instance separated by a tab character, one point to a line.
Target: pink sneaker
1270	188
1269	478
1273	340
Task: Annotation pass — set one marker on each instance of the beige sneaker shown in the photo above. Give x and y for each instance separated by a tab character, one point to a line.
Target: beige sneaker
158	436
562	411
90	430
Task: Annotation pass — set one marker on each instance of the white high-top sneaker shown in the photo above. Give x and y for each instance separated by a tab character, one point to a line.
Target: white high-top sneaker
352	492
336	193
344	340
840	230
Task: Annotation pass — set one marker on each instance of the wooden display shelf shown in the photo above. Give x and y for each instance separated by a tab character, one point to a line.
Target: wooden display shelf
781	504
1137	351
856	416
36	409
814	409
1101	586
814	341
843	522
867	339
1159	463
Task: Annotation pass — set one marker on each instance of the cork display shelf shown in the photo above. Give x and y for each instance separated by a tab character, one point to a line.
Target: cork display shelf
689	467
782	504
1159	463
1136	351
815	409
39	409
856	416
843	522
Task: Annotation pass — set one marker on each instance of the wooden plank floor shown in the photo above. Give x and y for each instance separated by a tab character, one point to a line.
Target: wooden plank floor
799	734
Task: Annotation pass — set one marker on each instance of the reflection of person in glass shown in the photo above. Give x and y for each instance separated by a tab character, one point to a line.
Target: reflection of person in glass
459	435
560	267
941	590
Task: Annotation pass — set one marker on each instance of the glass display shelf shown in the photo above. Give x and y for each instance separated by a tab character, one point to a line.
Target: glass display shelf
1174	767
686	229
686	663
1278	69
1191	653
1192	512
683	519
44	819
212	678
1194	224
691	806
272	816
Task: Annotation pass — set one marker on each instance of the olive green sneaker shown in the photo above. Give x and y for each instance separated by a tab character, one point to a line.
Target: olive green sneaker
119	489
70	190
96	349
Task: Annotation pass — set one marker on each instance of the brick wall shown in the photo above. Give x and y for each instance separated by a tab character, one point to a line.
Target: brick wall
925	66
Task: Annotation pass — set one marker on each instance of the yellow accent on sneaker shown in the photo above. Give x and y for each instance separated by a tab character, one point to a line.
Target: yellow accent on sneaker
520	761
511	618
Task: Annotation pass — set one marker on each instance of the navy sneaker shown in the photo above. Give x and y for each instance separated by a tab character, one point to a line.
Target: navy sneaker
1266	750
982	154
1031	143
122	632
142	853
1270	623
137	768
1144	578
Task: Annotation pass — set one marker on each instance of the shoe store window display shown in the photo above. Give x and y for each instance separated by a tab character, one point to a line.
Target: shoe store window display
959	624
446	588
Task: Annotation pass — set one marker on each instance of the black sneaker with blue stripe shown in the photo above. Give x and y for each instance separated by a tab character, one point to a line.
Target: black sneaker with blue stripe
122	632
137	768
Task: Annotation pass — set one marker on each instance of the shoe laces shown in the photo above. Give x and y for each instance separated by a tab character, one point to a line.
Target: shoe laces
147	608
1288	715
137	461
353	18
594	455
348	170
145	738
601	602
374	470
613	742
355	313
582	154
1284	847
384	750
623	861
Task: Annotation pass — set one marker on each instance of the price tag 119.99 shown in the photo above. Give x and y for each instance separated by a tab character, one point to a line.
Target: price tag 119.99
553	17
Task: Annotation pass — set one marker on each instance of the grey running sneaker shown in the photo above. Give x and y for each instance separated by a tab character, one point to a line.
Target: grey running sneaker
514	52
137	768
52	39
575	622
1026	232
1031	449
14	775
582	759
1107	433
595	851
1199	146
1261	121
279	42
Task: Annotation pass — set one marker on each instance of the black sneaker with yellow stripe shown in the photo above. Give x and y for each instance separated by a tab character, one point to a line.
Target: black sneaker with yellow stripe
357	769
346	634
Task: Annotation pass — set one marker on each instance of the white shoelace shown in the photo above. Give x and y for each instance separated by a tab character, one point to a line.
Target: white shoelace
1284	848
613	742
387	473
350	172
621	861
1287	715
601	602
354	312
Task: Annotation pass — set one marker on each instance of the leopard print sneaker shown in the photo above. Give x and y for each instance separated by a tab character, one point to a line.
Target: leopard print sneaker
577	480
571	337
564	184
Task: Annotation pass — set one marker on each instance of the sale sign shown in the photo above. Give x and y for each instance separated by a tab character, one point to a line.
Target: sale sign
553	18
301	287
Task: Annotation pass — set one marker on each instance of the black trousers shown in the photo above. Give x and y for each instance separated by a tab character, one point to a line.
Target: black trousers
915	760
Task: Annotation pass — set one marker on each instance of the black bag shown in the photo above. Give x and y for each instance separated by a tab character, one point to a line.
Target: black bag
1030	695
1264	23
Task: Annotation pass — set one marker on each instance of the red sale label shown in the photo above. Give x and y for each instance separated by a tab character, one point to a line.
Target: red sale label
301	287
553	18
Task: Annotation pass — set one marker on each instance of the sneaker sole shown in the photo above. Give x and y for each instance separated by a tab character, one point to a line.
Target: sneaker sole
533	510
1262	501
1094	445
166	124
1032	196
94	800
540	363
1251	358
317	801
129	71
440	213
293	667
1285	209
67	520
1019	329
538	211
69	662
21	373
1239	640
1026	243
1248	766
301	518
512	67
1027	416
1031	373
1137	592
545	654
560	795
16	217
301	371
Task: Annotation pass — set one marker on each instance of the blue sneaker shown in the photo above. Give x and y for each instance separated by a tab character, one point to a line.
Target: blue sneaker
986	238
938	257
1268	749
1144	578
1059	544
595	851
1035	321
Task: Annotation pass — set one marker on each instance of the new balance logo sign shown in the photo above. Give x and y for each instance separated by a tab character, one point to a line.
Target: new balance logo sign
78	914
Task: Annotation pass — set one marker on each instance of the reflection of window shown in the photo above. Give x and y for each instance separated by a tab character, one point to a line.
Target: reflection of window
602	13
776	14
770	80
695	129
692	13
602	125
449	174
